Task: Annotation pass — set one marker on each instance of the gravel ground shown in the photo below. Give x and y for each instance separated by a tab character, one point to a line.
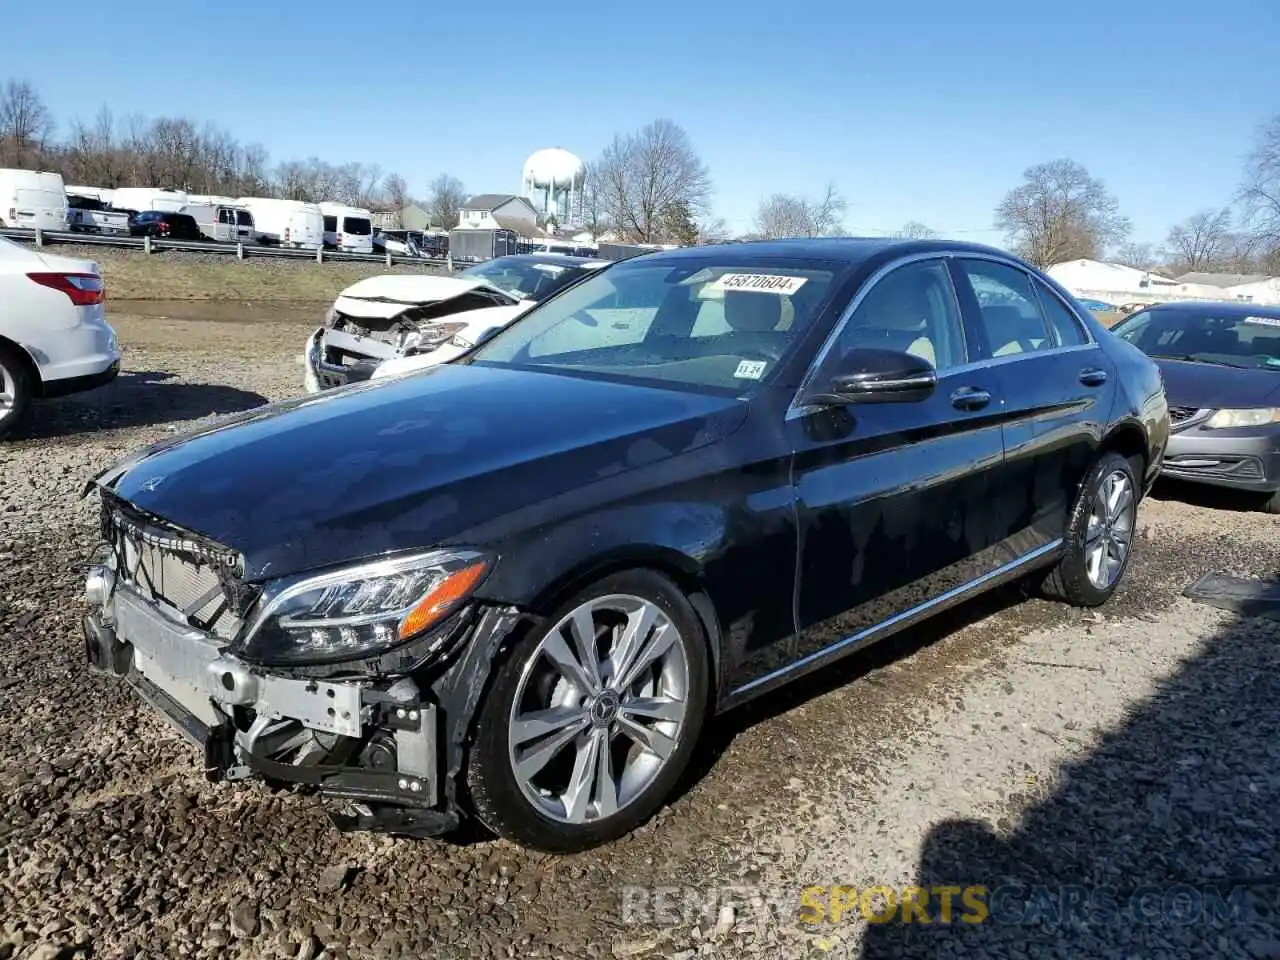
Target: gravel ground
1041	752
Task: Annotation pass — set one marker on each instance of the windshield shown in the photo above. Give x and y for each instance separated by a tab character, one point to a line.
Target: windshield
1203	336
707	323
523	279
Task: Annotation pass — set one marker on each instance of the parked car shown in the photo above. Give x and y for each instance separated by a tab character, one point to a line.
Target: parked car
162	223
32	199
394	324
1221	368
1096	306
516	586
90	215
54	336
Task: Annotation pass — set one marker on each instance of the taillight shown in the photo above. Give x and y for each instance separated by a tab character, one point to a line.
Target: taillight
84	289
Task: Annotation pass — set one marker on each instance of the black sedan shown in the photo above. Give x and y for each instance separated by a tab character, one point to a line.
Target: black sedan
1221	368
517	585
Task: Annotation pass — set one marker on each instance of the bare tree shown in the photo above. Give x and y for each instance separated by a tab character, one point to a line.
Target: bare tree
1060	213
784	215
1260	193
644	176
594	216
395	192
1201	242
25	125
445	198
1140	256
915	230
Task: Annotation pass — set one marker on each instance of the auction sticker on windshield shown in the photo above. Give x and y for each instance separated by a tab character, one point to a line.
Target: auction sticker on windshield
761	282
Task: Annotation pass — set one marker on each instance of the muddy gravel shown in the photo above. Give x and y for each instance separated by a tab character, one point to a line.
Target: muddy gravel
1098	784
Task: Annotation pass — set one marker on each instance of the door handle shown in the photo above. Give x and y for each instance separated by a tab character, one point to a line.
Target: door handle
970	398
1093	377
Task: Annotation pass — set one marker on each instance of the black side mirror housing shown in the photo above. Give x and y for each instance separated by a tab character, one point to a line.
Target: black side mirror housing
872	375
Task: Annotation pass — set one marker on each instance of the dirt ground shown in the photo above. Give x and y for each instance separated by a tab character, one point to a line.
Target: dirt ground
1128	756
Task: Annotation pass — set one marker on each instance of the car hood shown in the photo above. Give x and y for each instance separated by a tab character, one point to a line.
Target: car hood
1204	385
406	463
386	297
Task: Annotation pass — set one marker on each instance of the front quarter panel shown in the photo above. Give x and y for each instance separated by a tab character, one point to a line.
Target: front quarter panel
1140	400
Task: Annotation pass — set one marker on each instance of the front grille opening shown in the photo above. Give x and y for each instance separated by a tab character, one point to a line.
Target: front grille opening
1182	414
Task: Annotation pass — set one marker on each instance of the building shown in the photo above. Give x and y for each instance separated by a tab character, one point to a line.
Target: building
1111	282
500	211
552	181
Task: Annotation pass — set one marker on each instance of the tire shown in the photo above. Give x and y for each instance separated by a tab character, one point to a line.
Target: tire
1271	504
1072	580
16	392
539	809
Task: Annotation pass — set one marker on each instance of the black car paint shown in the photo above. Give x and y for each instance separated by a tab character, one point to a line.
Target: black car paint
887	507
1214	386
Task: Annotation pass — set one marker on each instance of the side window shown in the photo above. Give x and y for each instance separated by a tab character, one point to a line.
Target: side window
1065	328
1011	313
912	308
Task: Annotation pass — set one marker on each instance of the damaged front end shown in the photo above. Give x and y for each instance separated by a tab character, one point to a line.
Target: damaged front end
360	333
359	683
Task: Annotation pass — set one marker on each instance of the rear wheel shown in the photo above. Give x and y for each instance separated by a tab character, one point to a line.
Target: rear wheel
1099	535
1272	503
593	717
16	392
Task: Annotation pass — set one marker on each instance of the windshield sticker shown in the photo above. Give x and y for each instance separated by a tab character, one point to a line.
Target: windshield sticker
759	282
750	369
1264	321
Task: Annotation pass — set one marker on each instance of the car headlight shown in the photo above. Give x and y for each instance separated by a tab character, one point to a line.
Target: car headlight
461	341
1256	417
430	337
364	610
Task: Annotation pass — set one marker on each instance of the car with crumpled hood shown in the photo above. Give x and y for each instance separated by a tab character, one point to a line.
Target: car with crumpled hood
411	321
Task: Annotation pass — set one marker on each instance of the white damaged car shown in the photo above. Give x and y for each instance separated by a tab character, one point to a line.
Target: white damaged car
400	322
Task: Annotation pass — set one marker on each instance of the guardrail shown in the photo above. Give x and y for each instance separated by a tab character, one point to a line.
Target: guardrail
241	251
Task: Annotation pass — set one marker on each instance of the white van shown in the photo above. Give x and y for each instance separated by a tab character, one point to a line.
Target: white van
347	228
225	222
288	223
139	199
30	200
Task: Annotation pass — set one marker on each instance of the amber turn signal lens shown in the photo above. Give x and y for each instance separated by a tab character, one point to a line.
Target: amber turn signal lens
441	600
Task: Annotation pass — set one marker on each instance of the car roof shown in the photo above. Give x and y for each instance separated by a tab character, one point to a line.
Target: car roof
850	250
555	259
1223	308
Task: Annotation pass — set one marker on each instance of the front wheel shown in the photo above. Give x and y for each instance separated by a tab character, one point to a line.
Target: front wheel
593	717
16	392
1099	535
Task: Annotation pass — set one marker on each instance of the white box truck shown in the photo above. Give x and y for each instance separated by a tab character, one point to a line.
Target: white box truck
347	228
287	223
139	199
32	199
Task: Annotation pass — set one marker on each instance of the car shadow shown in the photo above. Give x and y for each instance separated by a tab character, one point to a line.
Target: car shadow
1161	841
136	398
1207	496
720	732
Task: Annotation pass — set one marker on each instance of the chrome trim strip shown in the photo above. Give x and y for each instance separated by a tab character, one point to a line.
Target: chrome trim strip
951	594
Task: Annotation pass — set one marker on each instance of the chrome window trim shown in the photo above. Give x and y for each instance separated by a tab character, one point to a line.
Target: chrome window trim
797	409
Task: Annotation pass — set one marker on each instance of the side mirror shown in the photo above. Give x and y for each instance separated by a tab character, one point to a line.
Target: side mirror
870	375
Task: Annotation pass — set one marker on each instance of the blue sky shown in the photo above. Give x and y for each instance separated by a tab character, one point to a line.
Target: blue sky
924	110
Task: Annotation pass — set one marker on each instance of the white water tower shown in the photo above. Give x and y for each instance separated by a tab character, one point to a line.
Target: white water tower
552	181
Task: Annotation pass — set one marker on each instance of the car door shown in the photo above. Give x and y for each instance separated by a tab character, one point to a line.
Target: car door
1058	389
892	497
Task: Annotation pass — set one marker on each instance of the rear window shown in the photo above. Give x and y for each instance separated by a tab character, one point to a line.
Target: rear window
360	226
331	224
244	218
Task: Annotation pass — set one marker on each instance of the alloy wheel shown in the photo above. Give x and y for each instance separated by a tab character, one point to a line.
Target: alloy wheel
1110	531
599	709
8	392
